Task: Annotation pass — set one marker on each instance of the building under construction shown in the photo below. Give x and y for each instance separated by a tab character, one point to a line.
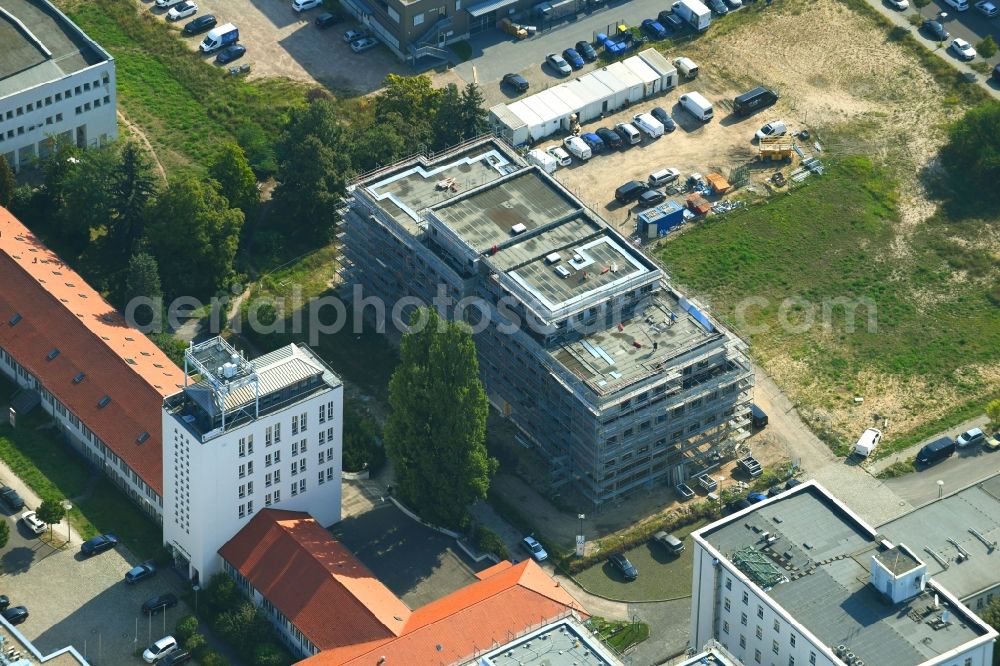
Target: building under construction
619	380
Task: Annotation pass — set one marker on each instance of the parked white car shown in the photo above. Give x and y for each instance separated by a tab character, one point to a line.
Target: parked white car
532	546
773	128
354	35
303	5
183	10
578	148
159	649
31	521
364	44
901	5
963	49
561	155
165	4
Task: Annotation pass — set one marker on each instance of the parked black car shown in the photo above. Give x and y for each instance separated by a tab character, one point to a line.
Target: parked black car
15	614
624	567
159	603
668	123
230	53
515	81
652	198
935	30
200	25
99	544
326	19
11	498
996	73
4	601
176	657
630	191
586	51
758	417
140	572
610	138
670	21
936	451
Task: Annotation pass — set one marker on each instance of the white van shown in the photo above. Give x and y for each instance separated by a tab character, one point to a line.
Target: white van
629	133
959	5
648	124
577	147
686	67
867	442
696	104
542	159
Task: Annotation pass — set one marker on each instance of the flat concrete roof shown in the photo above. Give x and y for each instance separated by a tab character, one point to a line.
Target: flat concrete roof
487	217
563	643
40	45
608	359
413	187
818	570
936	531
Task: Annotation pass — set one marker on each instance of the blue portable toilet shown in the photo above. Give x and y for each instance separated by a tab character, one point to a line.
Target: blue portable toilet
659	220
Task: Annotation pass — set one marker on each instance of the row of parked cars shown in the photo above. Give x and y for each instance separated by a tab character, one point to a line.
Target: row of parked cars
624	135
943	447
222	40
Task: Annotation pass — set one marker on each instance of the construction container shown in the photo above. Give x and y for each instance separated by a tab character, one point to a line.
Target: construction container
658	221
697	204
718	183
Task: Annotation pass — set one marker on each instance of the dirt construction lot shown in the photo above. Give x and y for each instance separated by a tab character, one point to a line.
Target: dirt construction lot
825	80
284	43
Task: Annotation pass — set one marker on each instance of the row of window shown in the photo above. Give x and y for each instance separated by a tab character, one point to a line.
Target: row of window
57	97
51	120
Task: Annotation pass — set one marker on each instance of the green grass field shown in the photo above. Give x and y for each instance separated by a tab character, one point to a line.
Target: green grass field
185	106
833	239
660	576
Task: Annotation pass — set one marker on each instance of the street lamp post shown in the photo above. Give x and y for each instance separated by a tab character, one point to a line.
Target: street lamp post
195	588
580	540
67	506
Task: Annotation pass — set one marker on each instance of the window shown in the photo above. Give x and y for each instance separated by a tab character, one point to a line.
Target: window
393	14
249	487
250	447
322	437
243	471
277	433
968	661
277	476
418	19
250	507
728	605
743	641
243	448
321	457
791	639
729	583
791	661
267	479
267	499
302	421
243	490
243	510
322	414
760	612
277	457
774	647
743	619
302	485
777	626
295	468
329	473
746	598
277	496
267	460
812	658
302	465
725	627
295	489
295	448
759	632
329	410
321	477
267	436
329	434
302	446
295	425
756	656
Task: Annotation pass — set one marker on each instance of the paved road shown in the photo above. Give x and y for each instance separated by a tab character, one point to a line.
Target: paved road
962	470
907	453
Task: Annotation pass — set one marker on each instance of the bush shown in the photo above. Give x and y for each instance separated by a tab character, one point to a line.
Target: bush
269	654
993	411
186	627
898	468
195	643
222	593
212	658
987	47
489	541
362	447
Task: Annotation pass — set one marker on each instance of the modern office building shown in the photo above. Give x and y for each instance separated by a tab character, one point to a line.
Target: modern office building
244	435
331	610
620	380
56	83
800	580
102	382
957	536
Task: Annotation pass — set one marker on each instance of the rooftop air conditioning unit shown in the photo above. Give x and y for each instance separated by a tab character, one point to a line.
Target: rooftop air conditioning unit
553	258
518	228
562	272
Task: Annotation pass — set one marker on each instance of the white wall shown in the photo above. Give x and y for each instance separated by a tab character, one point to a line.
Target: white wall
202	503
79	108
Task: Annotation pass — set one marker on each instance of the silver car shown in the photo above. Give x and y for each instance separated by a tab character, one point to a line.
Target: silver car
558	63
364	44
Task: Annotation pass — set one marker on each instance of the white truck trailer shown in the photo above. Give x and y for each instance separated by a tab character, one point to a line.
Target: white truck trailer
695	13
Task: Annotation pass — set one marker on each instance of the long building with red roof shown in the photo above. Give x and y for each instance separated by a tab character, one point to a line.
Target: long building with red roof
331	609
102	381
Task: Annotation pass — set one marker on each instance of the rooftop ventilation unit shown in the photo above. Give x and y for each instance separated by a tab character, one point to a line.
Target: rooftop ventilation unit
142	438
79	378
52	354
518	229
105	401
13	320
553	258
562	272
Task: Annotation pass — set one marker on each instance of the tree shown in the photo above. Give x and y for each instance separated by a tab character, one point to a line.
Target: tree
51	511
194	231
972	154
987	47
437	429
222	593
143	278
449	127
269	654
132	188
4	533
236	179
413	98
991	615
186	626
993	411
88	205
474	120
312	184
7	183
212	658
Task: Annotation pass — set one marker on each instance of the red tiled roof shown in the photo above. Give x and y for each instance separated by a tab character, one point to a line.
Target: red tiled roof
59	310
317	584
510	602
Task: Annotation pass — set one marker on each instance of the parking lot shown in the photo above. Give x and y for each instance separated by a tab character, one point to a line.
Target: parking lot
82	602
417	563
970	25
281	42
